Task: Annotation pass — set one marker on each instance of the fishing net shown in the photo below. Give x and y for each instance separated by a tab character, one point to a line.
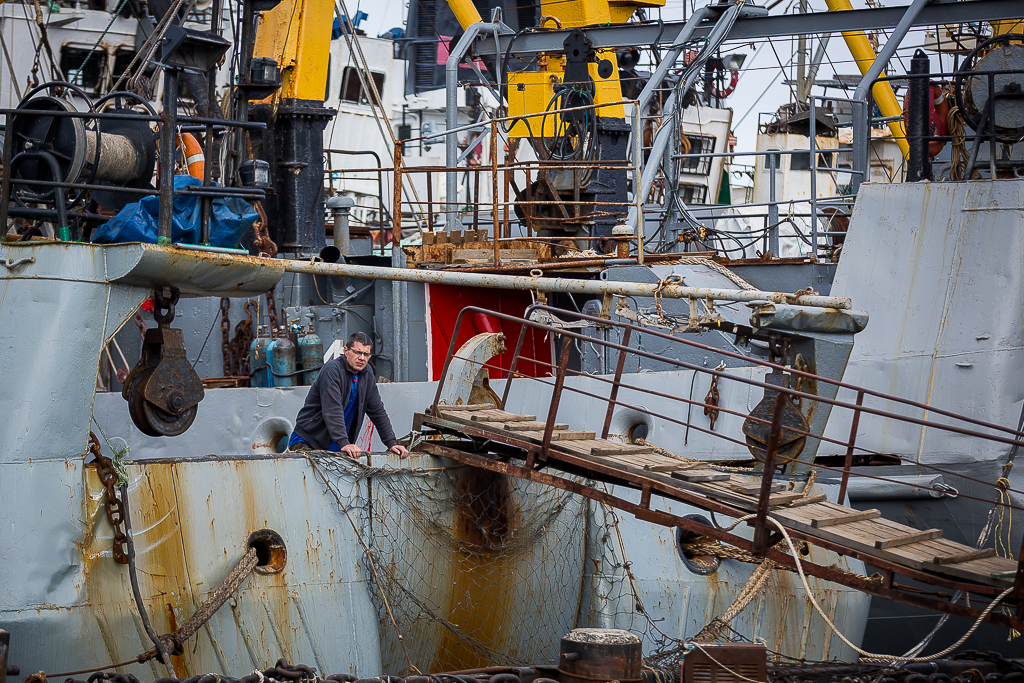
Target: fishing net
468	568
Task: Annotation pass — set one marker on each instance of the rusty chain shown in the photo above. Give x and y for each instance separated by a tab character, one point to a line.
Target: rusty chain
141	324
711	402
265	247
115	507
225	338
241	342
272	312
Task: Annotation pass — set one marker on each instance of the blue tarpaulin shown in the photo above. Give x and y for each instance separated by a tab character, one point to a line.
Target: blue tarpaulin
229	219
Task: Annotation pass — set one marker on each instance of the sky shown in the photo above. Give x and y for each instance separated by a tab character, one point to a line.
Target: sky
761	87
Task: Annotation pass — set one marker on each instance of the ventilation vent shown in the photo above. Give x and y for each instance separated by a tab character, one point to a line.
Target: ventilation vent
725	663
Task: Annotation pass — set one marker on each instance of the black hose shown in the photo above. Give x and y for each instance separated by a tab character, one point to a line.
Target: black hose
133	575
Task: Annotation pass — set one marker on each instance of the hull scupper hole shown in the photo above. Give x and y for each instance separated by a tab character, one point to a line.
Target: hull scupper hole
638	432
688	544
271	553
271	436
630	424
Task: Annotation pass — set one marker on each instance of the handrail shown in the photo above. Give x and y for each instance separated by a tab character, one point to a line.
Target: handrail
766	452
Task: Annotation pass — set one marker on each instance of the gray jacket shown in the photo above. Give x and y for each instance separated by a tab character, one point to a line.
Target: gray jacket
322	418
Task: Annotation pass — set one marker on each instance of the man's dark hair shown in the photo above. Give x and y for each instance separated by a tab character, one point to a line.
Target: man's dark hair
358	338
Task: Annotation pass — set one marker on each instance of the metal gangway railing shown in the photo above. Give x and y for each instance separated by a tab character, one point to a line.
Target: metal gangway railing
952	566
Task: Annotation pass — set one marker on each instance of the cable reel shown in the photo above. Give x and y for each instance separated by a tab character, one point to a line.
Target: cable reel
71	146
1004	53
163	390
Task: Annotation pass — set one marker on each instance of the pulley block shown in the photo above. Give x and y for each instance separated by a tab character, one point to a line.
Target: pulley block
163	391
758	424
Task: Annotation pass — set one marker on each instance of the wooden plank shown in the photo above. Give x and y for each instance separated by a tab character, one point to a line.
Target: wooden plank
846	518
618	449
784	498
502	416
638	460
753	488
562	435
809	500
907	539
525	426
861	536
965	557
675	467
467	407
701	475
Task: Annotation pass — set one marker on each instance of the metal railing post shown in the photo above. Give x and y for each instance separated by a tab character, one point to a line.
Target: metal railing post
615	385
512	368
396	212
813	163
848	462
495	219
773	207
556	397
430	202
448	360
774	437
638	195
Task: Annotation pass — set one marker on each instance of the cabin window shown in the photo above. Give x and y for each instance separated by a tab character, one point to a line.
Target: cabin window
699	144
778	161
352	90
693	194
84	74
798	162
122	59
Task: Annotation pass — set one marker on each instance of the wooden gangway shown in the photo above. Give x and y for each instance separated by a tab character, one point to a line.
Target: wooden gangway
860	533
543	450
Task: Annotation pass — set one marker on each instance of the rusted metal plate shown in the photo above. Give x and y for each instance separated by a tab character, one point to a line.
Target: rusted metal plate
192	272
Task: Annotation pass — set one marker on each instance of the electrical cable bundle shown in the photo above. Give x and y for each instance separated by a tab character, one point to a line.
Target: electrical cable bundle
575	136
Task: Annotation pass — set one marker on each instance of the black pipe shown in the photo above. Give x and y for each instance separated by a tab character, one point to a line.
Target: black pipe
167	141
919	165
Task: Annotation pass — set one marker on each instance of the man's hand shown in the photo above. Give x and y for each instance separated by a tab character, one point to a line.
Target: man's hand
351	450
401	450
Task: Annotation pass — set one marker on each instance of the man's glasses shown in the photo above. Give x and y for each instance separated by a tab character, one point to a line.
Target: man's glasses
359	354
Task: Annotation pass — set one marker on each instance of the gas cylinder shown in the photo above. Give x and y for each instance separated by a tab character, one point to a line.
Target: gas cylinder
311	354
259	363
281	354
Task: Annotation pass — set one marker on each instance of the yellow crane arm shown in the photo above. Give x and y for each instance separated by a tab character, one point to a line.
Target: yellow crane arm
465	12
885	98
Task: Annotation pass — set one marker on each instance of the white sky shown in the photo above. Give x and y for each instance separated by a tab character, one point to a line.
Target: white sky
760	87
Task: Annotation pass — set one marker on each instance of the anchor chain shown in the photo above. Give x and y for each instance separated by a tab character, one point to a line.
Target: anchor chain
141	324
711	402
225	337
272	312
241	342
114	505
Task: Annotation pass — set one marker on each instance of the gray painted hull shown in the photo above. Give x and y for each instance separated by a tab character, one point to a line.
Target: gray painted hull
196	498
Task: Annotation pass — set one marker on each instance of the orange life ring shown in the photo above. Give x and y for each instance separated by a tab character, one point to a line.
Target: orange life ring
195	160
938	112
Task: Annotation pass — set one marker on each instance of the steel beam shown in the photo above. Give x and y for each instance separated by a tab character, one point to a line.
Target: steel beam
570	285
632	35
